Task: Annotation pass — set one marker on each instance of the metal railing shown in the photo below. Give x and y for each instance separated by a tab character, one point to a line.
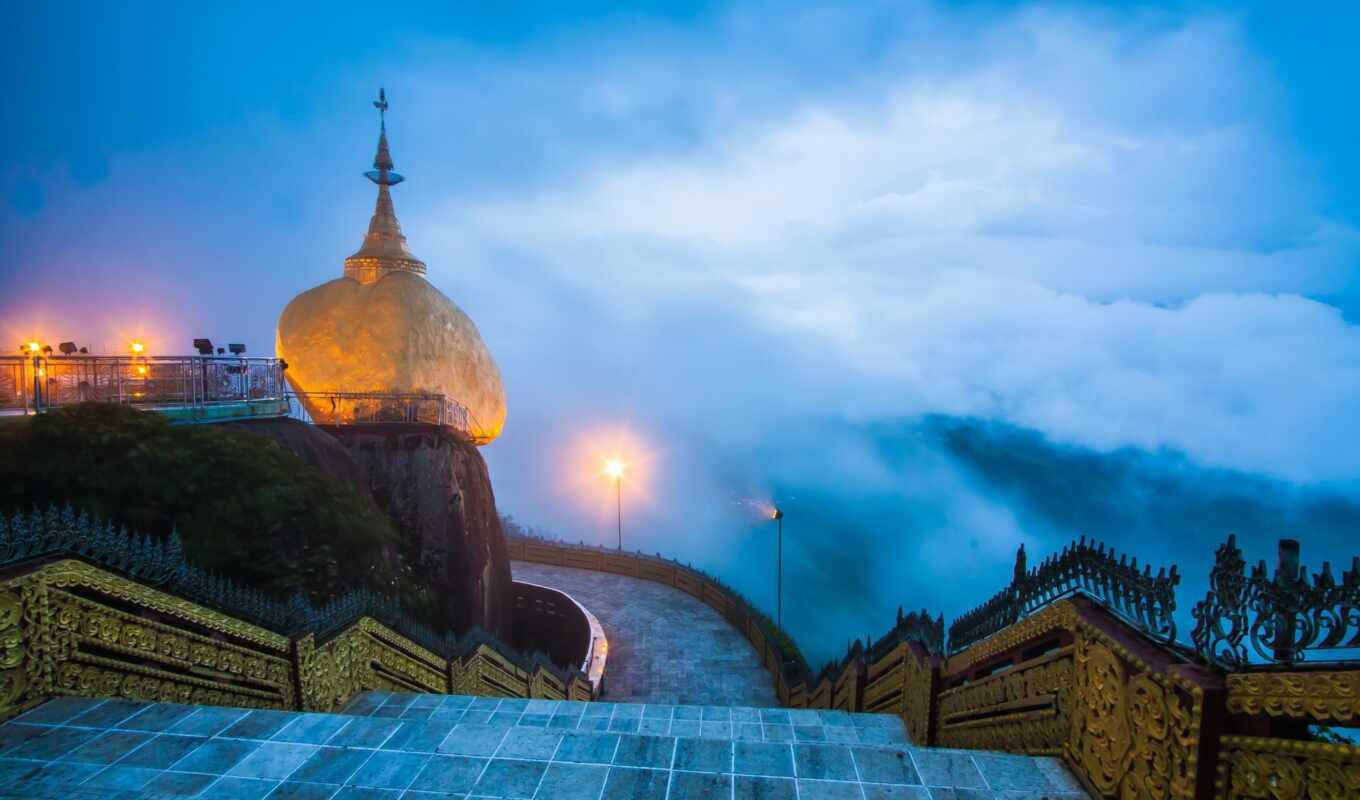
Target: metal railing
1283	617
38	383
376	408
1140	598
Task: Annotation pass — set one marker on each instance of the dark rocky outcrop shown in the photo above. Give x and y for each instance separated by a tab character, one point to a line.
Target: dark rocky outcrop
435	488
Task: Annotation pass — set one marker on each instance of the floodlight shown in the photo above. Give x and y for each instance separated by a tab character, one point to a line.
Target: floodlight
67	348
237	349
203	346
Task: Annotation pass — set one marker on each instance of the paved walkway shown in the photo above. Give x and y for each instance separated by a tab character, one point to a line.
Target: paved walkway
442	747
665	646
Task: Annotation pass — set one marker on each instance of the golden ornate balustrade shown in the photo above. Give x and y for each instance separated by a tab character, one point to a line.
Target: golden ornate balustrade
70	628
1133	715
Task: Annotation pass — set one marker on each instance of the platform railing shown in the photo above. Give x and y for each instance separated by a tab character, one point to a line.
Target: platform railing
377	408
34	384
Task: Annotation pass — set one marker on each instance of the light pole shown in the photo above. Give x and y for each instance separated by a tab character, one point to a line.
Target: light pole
34	349
615	469
778	517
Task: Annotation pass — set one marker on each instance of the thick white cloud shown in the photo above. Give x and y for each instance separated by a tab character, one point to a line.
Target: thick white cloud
1086	225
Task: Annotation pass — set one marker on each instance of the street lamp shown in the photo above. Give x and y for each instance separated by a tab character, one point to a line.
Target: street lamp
36	350
614	469
778	516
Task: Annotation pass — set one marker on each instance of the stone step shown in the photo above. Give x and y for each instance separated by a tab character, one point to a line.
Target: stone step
706	722
433	747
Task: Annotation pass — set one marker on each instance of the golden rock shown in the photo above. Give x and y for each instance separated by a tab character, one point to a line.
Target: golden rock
383	329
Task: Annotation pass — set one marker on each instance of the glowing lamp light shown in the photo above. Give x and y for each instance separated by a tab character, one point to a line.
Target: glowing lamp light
141	370
776	514
33	347
137	347
615	468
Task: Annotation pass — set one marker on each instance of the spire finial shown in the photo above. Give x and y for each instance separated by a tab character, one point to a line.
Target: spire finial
381	105
384	249
382	173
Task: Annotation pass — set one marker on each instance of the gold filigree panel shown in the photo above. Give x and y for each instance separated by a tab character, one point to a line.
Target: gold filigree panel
1044	678
999	712
414	667
1253	768
67	574
335	672
97	677
1133	734
918	687
1323	696
1040	732
82	623
1062	614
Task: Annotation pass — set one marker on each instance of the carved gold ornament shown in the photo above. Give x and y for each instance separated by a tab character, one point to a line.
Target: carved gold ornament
1323	696
1254	768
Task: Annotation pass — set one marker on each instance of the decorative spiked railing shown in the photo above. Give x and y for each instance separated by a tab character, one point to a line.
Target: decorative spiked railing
160	563
1076	659
1281	616
916	626
1141	599
155	562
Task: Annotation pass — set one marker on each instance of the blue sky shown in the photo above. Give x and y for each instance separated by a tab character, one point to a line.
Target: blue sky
795	250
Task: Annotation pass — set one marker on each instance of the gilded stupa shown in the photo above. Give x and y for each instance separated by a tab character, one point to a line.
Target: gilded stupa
383	329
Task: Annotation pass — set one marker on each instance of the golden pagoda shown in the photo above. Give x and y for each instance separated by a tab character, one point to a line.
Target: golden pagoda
383	329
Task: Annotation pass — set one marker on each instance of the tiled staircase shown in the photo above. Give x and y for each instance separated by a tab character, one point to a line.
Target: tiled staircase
435	747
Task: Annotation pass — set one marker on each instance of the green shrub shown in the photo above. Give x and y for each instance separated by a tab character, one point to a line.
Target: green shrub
244	506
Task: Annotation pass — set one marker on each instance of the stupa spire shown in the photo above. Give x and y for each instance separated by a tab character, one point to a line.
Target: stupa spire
384	248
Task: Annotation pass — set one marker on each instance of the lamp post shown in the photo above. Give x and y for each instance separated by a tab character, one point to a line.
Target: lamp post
778	516
615	469
35	349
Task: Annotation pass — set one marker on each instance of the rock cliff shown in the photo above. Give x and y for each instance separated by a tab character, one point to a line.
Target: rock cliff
436	490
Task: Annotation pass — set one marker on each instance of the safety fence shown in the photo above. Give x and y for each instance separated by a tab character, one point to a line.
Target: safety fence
379	408
1077	659
41	382
89	610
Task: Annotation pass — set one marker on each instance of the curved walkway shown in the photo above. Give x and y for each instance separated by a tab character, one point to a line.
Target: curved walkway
665	646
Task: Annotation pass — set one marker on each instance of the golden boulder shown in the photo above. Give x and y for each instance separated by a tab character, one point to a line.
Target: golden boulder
355	344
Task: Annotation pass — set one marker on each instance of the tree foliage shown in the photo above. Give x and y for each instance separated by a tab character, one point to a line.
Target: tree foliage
244	506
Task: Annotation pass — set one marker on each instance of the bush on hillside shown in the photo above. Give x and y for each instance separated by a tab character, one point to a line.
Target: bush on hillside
244	506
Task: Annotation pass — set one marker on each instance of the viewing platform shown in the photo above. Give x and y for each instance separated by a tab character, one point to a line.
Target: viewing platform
208	388
203	388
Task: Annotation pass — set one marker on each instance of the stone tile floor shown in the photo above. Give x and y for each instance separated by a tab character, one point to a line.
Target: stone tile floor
665	646
708	722
422	747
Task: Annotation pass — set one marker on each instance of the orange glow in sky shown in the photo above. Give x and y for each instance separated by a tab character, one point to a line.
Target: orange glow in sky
108	337
596	460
